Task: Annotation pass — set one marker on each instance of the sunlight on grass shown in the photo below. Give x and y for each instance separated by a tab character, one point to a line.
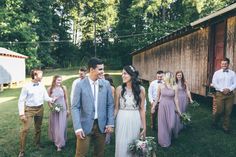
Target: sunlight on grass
198	140
5	99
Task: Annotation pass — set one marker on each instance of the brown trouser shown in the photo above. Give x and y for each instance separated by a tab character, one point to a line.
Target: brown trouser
82	146
30	113
224	105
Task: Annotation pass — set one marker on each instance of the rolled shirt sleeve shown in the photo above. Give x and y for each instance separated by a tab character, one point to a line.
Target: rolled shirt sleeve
21	101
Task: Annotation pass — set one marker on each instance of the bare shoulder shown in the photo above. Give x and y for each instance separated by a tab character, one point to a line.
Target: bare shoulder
64	87
161	86
118	88
142	89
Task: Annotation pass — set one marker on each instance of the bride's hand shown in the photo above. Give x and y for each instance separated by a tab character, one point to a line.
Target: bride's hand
153	109
143	133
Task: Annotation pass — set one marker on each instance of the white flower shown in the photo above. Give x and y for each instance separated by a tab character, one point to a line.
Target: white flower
57	109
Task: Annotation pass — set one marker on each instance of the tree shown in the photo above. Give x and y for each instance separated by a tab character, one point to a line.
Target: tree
16	32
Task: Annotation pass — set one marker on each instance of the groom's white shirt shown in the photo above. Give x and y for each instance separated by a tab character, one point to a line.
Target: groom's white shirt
96	96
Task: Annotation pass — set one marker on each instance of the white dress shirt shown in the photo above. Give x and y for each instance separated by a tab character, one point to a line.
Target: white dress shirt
96	95
73	89
222	80
32	94
152	91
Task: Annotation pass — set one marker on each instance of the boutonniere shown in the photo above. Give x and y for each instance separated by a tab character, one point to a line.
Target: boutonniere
100	87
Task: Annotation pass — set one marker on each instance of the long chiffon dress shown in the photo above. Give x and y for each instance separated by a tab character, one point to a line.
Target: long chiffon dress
58	120
183	102
166	117
128	124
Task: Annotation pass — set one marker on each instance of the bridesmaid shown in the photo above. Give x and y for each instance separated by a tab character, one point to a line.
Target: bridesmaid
58	120
183	96
183	91
168	105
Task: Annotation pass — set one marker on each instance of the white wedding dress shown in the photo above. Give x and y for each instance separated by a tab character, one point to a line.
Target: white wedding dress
128	124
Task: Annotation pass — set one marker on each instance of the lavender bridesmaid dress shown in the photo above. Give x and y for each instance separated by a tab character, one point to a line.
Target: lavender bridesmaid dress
166	117
183	102
58	120
183	98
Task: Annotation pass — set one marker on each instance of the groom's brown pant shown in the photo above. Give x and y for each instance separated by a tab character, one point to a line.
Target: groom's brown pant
82	146
30	113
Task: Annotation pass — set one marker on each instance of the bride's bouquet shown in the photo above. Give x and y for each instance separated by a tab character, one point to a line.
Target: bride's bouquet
56	107
143	148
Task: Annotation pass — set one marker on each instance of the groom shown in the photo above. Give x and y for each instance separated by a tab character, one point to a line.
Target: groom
92	110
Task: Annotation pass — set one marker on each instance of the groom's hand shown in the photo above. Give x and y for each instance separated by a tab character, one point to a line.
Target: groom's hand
109	130
80	135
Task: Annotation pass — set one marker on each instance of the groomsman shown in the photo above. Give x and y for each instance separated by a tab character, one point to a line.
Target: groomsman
152	96
30	107
82	75
224	81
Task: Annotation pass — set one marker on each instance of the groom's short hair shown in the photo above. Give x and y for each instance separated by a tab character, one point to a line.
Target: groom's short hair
93	62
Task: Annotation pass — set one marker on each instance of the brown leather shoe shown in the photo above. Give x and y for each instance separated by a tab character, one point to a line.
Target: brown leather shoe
21	154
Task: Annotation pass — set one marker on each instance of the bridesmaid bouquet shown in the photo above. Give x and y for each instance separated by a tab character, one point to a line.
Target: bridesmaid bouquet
185	118
56	107
143	148
194	104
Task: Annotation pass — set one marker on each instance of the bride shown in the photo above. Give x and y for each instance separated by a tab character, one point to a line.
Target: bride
129	111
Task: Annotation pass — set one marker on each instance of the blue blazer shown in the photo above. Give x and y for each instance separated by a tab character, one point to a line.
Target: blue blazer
83	108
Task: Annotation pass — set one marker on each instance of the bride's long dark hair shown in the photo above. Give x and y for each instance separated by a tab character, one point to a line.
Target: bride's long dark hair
135	84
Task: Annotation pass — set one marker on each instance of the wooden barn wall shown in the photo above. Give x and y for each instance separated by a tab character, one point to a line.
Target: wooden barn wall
230	41
188	53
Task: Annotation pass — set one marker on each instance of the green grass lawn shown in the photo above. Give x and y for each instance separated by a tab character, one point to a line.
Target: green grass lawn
199	140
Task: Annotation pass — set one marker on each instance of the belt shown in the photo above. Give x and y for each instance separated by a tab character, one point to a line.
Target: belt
35	106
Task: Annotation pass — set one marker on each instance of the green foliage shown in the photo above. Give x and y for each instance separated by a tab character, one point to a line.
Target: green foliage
45	29
15	25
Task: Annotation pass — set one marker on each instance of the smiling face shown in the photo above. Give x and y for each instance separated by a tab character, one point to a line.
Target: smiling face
224	65
58	81
179	76
98	72
125	77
